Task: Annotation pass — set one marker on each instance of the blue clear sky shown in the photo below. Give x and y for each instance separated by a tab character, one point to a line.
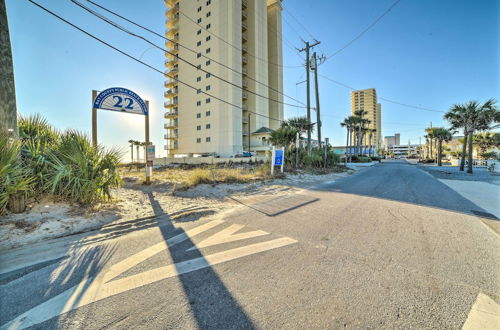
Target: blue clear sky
426	53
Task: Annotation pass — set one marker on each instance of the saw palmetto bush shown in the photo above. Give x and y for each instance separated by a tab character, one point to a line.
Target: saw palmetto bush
38	139
15	179
44	161
80	172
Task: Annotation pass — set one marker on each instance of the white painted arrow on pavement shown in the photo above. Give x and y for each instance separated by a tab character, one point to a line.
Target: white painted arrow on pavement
101	286
227	235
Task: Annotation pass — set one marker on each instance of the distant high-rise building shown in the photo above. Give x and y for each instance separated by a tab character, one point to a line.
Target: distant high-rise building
390	141
244	35
366	100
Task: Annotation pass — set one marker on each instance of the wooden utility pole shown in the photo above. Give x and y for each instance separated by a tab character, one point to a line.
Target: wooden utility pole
308	88
316	86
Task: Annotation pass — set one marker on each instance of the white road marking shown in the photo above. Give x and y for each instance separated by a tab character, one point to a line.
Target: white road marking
227	235
484	314
92	289
139	257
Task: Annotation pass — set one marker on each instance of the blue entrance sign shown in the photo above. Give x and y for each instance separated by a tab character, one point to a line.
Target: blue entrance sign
278	157
120	99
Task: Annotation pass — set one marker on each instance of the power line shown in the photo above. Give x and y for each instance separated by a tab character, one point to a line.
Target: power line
143	63
382	98
190	49
299	24
236	47
176	56
292	28
365	30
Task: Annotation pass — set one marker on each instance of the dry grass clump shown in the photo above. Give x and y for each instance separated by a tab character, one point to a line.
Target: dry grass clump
187	178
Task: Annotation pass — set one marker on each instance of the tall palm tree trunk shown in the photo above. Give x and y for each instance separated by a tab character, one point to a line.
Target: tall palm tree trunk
464	151
440	150
137	149
430	145
359	141
346	147
435	150
132	152
469	156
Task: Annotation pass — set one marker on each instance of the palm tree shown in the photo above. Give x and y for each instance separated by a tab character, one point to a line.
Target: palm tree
300	123
430	138
360	123
370	133
131	149
456	116
441	134
348	123
426	146
485	141
283	136
137	145
472	116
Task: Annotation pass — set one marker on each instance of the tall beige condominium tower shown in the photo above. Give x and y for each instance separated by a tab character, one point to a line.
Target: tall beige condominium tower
366	99
244	35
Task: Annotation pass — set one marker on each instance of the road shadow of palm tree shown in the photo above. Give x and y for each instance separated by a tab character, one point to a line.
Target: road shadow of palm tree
211	303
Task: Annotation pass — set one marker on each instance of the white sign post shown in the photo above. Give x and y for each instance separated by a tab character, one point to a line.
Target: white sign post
122	100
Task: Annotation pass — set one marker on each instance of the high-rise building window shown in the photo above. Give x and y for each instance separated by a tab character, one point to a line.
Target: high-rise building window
208	26
198	66
207	51
198	128
198	91
207	62
209	2
198	103
207	139
198	32
207	88
198	43
198	140
207	38
208	14
199	9
198	78
207	75
198	20
207	126
207	100
198	55
198	115
207	113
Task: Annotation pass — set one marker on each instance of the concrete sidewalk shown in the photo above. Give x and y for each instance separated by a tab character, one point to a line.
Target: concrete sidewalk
483	194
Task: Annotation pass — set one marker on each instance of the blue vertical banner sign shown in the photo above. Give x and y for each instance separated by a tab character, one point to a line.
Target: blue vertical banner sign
277	159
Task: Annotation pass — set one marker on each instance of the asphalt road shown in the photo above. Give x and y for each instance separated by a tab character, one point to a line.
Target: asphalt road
388	247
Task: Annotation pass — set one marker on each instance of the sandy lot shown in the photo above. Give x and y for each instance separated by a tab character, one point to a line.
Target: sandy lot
134	201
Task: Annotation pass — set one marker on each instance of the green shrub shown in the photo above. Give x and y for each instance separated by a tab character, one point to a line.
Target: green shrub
489	155
81	172
315	160
360	159
14	178
44	161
